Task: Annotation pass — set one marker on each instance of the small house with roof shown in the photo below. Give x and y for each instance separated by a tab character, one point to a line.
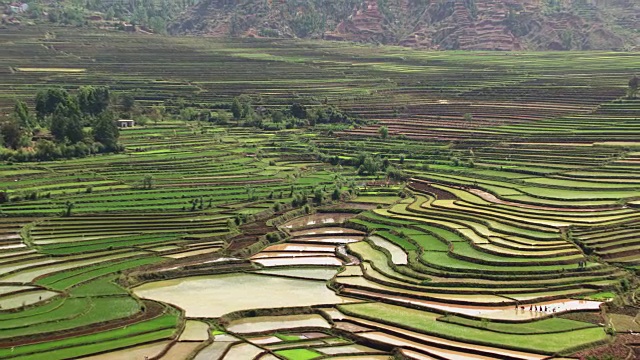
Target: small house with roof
125	123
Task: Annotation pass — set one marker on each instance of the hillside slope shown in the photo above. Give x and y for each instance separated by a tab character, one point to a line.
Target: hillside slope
430	24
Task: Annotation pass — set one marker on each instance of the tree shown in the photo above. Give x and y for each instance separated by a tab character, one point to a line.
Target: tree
106	132
128	101
59	123
110	14
277	117
93	100
22	113
250	192
74	131
47	150
158	24
10	134
147	182
384	132
48	100
298	110
66	122
157	113
68	208
247	111
369	166
634	84
468	117
236	109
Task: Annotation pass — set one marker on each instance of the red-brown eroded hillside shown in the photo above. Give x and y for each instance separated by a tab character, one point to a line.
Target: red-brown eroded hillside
429	24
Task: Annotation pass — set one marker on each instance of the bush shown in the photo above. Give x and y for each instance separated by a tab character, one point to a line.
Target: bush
273	237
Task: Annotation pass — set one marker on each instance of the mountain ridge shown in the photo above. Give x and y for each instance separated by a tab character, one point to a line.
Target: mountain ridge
436	24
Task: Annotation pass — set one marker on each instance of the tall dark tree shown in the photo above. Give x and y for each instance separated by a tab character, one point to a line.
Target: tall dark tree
74	131
22	114
105	131
634	84
10	133
128	101
48	100
59	121
93	100
236	109
298	110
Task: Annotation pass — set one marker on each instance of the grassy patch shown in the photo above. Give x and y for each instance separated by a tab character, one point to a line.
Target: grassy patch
426	322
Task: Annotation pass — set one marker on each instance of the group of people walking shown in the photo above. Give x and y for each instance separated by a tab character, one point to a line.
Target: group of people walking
537	308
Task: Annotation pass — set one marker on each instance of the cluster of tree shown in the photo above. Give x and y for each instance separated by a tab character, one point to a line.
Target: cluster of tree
153	14
519	22
150	13
308	18
58	12
67	15
368	164
63	125
295	115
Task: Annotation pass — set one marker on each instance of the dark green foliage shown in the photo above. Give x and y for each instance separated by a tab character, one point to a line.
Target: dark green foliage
22	114
277	117
93	100
306	24
47	101
634	84
59	123
105	131
10	134
369	166
384	132
273	237
68	208
297	110
47	150
624	285
74	130
153	14
295	115
318	196
336	194
236	109
65	117
147	182
128	101
396	174
66	124
299	199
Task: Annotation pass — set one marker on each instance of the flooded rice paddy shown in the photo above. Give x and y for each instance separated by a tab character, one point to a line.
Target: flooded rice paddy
243	351
275	323
295	274
216	295
320	273
398	256
195	331
317	219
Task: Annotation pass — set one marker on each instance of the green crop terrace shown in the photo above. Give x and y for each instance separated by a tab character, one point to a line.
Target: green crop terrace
518	191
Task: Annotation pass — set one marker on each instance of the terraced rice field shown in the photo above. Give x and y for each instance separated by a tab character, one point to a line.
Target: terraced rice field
512	228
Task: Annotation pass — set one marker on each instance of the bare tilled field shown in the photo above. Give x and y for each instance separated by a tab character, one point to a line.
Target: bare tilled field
367	202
